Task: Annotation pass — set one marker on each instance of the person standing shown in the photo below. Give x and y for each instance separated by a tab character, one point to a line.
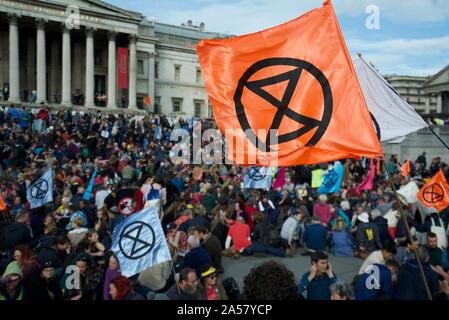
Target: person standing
316	282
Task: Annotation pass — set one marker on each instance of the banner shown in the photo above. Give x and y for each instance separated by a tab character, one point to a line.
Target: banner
332	179
40	192
258	178
122	67
295	81
435	193
139	242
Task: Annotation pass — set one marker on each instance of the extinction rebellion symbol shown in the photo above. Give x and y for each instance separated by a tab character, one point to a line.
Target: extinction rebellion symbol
433	193
283	106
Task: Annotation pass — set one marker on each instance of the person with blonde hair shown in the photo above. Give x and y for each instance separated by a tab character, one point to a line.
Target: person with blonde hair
342	244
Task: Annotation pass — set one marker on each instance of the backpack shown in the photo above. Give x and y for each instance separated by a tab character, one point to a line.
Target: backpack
232	289
273	236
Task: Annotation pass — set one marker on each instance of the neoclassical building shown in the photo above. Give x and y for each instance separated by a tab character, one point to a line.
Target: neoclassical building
47	47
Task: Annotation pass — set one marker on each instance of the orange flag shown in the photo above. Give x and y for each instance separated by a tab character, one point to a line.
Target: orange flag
295	81
435	193
147	101
2	203
405	169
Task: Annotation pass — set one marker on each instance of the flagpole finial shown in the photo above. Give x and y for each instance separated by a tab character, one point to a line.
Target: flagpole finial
359	54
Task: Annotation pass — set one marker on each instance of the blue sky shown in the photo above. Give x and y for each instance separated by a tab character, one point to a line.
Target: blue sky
413	38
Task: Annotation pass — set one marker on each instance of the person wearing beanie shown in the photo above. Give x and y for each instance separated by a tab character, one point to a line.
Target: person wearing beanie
10	288
44	285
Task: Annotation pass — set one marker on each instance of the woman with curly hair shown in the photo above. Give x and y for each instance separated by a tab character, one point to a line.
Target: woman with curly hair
270	281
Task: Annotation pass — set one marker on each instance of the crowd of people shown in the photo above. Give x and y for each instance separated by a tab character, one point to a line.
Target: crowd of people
206	215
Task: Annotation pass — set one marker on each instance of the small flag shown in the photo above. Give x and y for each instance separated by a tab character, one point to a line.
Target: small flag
435	193
147	101
90	187
405	169
368	182
332	179
139	242
258	178
438	121
317	178
409	192
40	192
280	179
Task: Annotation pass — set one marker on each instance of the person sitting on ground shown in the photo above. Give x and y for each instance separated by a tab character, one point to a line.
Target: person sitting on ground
270	281
185	286
120	288
290	232
213	247
340	291
342	245
112	272
382	226
210	287
379	257
322	210
315	237
316	282
239	235
378	282
266	239
367	236
197	256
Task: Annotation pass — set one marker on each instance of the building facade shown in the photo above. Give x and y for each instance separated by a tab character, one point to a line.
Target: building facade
63	49
438	86
411	89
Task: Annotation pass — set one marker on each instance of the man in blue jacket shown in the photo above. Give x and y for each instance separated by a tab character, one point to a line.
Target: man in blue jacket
377	282
315	236
317	281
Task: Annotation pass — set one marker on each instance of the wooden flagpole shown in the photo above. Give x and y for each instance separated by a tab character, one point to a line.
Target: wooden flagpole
407	226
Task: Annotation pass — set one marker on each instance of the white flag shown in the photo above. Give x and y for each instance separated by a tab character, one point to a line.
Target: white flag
40	192
258	178
393	117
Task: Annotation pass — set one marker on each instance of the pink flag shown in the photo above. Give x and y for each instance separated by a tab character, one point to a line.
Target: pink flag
280	180
368	182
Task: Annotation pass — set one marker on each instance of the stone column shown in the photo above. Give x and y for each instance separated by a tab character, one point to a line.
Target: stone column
428	97
66	68
112	71
151	75
439	102
54	72
90	68
14	74
132	73
31	65
41	66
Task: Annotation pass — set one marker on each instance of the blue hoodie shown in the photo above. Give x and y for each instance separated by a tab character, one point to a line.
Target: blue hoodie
410	283
384	288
